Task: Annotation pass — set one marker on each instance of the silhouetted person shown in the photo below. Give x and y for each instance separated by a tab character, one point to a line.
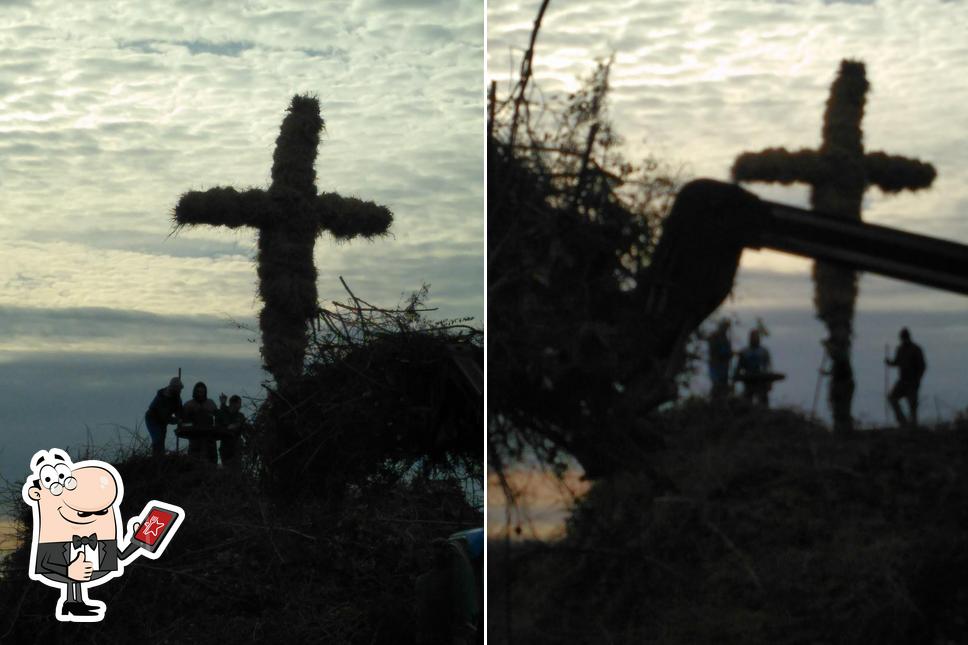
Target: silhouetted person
165	409
199	413
720	355
230	419
753	369
909	359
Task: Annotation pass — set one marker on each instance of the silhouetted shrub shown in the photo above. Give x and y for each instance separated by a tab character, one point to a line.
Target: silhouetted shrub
571	225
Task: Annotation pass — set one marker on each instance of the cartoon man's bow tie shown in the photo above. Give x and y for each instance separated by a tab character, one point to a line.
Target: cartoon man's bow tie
79	540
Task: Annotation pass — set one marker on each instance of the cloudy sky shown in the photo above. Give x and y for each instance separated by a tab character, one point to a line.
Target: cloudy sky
109	111
697	83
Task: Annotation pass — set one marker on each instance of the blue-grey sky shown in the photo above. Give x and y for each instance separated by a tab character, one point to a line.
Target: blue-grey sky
697	83
109	111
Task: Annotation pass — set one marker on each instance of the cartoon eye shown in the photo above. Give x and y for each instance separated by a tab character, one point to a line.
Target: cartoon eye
63	472
48	476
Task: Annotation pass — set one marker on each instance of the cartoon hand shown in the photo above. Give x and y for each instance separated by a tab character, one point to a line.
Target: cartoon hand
80	569
135	527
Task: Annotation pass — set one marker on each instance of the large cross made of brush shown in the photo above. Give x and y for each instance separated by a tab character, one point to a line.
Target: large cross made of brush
838	173
289	215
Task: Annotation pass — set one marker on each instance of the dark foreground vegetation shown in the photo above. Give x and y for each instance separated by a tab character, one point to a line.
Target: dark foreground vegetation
316	541
246	568
754	526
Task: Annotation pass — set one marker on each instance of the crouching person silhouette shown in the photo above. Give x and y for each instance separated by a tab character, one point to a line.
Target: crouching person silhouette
76	523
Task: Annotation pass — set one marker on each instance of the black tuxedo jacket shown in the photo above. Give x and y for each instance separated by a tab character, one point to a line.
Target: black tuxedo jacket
53	558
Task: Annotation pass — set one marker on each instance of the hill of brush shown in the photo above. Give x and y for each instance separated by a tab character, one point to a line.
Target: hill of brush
755	526
245	567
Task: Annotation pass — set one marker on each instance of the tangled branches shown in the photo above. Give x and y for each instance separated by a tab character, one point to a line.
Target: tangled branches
385	393
571	225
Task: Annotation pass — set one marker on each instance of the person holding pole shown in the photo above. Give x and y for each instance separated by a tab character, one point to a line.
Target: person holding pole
909	359
165	409
887	368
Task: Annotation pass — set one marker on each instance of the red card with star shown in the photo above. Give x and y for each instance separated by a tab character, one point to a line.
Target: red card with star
155	527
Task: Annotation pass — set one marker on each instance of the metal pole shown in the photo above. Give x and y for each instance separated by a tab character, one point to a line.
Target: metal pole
177	438
820	375
887	355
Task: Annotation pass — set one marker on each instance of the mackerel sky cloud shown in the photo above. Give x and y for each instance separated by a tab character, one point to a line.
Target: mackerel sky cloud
697	83
109	111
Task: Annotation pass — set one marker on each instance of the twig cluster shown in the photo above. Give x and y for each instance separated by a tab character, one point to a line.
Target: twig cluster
385	393
571	225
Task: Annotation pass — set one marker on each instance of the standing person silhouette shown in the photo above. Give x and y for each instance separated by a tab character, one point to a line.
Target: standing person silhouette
165	409
230	420
909	359
720	355
200	413
753	368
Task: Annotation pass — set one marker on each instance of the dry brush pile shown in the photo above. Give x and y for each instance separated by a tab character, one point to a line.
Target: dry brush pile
384	393
244	568
757	527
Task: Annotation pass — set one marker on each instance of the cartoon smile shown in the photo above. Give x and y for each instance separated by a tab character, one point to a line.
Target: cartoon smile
81	514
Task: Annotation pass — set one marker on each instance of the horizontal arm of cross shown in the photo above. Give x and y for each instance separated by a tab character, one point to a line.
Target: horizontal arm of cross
223	207
348	217
779	165
893	174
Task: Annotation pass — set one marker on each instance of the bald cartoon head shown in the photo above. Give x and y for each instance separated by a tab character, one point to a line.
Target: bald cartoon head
72	499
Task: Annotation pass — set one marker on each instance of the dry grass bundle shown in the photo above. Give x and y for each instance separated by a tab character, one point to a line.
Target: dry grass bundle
223	207
779	165
892	173
839	173
756	527
349	217
289	216
841	134
295	154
